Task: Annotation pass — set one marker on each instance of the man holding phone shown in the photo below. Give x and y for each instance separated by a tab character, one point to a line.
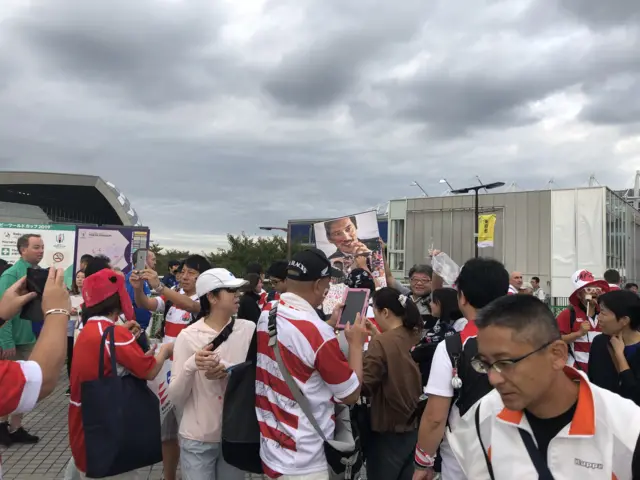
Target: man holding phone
17	337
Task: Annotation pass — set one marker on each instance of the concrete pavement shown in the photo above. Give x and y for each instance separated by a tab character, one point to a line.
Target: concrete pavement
47	460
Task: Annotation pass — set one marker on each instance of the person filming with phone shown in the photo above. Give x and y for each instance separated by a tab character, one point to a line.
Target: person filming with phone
25	382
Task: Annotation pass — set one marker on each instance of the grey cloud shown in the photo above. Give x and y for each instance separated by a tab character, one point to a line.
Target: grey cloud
157	54
600	14
615	104
207	139
326	69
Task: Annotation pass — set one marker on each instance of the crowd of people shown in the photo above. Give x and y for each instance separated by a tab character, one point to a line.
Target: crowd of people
474	381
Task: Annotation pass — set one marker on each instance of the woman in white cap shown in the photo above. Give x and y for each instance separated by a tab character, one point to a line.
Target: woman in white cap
202	362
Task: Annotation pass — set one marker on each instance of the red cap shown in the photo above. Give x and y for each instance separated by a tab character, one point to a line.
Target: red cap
104	284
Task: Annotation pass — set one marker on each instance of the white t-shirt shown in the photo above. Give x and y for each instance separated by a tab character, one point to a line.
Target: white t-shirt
440	384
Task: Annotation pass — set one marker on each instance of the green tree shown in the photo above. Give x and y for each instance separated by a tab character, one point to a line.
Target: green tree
242	251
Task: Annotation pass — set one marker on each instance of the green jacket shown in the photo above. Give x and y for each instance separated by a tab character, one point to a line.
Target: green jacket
16	331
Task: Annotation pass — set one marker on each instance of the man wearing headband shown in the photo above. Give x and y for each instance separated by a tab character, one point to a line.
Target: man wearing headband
105	299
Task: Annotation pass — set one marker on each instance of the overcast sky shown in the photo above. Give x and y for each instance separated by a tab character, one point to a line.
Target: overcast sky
220	116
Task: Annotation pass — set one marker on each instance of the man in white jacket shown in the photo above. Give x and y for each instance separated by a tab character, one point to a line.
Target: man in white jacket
544	419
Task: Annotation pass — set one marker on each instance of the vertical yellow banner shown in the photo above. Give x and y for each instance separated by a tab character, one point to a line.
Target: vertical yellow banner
486	230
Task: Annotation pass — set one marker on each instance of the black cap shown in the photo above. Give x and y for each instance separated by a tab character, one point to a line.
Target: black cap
173	263
278	270
309	265
360	278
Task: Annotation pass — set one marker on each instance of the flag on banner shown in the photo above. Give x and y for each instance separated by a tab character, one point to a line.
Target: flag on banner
487	227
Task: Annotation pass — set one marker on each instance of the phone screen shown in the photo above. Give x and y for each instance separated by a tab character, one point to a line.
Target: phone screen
141	263
37	279
354	304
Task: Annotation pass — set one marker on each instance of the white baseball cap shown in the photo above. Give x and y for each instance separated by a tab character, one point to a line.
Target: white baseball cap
216	279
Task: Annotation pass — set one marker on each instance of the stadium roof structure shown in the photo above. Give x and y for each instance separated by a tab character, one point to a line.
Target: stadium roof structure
69	198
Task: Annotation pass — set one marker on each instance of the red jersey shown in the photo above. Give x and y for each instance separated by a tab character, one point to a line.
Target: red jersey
131	360
20	383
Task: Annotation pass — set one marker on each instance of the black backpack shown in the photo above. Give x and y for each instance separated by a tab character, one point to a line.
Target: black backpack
240	429
474	385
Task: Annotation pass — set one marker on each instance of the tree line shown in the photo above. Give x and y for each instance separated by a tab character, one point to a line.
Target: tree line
242	251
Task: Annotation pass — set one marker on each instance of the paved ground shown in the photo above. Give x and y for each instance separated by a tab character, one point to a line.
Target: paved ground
47	460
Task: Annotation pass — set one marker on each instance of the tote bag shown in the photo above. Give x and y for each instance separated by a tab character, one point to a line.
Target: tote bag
120	420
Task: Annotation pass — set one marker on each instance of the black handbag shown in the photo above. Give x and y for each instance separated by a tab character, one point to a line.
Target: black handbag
120	420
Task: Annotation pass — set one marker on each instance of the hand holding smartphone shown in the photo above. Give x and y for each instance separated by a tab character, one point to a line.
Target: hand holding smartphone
356	301
141	261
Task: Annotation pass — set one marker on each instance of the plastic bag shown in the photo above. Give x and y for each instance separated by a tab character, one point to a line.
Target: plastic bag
445	268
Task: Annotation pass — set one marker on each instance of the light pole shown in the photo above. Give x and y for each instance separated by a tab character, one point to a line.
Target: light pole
282	229
475	189
444	180
416	184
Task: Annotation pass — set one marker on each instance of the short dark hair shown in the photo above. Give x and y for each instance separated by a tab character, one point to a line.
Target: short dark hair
612	276
97	263
623	303
197	263
535	279
527	316
23	241
424	269
447	299
86	258
329	223
482	280
255	267
173	263
629	286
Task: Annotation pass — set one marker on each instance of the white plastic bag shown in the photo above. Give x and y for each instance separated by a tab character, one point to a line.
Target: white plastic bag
445	268
160	386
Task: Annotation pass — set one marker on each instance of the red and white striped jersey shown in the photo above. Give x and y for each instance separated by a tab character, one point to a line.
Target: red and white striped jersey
310	351
20	383
266	304
582	345
176	321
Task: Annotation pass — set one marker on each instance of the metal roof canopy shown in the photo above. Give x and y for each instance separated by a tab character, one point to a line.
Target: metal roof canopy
88	193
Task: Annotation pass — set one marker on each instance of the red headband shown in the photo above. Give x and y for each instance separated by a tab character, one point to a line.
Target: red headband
104	284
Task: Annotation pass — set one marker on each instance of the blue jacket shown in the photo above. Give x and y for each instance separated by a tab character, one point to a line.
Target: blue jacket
143	316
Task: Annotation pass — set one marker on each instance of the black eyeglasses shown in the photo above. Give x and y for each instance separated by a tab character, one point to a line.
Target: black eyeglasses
503	366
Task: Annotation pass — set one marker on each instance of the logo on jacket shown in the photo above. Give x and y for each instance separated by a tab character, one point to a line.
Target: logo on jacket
589	465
